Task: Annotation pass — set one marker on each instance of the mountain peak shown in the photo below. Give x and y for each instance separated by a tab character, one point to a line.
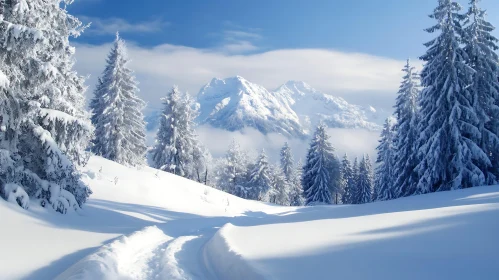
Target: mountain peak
301	84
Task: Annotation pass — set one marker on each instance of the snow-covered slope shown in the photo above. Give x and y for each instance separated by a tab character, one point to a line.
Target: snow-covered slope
313	106
41	244
448	235
145	224
235	103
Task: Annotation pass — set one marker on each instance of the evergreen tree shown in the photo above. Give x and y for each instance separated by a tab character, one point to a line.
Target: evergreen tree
259	186
45	130
287	162
120	126
320	173
406	127
177	149
281	187
96	102
383	188
365	183
355	194
480	47
295	191
347	180
449	134
233	169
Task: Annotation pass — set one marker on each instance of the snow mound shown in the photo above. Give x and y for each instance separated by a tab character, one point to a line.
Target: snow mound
224	261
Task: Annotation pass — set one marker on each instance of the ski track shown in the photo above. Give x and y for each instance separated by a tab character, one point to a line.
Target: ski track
162	261
146	254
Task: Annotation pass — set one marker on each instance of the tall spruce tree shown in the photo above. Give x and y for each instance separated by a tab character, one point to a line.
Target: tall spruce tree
347	180
120	126
354	185
45	130
449	134
365	181
96	102
234	168
259	186
295	192
480	47
281	187
320	173
384	178
177	145
406	127
287	162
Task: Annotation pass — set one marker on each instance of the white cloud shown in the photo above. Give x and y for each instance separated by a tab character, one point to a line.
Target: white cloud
239	47
353	142
238	40
237	34
340	73
335	72
109	26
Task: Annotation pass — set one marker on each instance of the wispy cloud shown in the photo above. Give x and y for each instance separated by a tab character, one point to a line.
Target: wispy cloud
236	39
108	26
340	73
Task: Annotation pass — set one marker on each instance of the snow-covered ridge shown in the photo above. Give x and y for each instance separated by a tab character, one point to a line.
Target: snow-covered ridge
292	110
313	106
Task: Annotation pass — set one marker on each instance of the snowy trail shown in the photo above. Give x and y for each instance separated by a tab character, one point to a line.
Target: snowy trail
146	254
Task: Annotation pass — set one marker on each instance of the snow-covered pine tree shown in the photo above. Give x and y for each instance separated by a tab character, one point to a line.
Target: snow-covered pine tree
120	126
96	102
480	47
233	169
49	129
347	178
449	135
384	177
259	186
321	170
366	180
354	184
177	149
287	162
281	187
290	171
406	127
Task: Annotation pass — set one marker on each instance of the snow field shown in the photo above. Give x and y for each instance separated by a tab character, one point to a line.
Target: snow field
450	235
145	224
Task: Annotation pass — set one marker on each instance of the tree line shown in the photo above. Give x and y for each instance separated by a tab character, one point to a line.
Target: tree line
445	135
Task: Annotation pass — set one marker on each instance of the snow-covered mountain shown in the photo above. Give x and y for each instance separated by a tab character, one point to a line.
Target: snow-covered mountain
293	109
235	103
313	106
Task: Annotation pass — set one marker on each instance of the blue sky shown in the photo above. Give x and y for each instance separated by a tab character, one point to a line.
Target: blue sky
390	28
353	49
